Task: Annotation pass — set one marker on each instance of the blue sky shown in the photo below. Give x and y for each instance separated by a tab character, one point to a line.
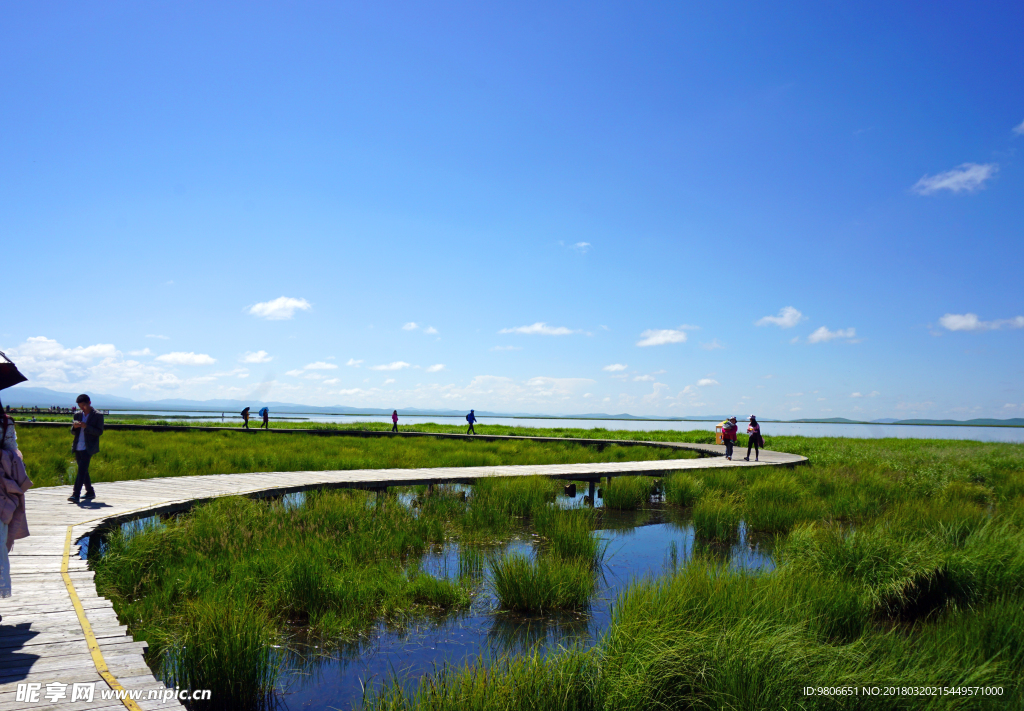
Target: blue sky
803	210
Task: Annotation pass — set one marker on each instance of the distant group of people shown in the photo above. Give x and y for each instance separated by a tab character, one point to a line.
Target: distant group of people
755	442
264	413
51	410
470	418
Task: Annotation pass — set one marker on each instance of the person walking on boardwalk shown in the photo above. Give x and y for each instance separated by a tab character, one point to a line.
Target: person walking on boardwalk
471	419
729	430
394	420
755	441
245	418
87	428
265	414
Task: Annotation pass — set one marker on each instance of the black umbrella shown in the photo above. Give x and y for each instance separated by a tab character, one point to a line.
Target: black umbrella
9	373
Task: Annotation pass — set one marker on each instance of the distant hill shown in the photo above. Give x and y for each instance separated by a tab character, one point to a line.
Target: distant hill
24	396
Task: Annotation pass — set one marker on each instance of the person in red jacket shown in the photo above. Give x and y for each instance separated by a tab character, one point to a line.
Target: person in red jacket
394	420
729	430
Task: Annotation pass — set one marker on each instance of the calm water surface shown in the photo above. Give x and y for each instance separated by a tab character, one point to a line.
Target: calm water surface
640	544
982	434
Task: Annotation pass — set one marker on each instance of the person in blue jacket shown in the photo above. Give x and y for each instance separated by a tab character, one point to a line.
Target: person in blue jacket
471	418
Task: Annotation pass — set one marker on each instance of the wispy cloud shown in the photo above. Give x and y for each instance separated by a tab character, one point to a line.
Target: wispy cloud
965	178
1019	129
280	309
157	335
143	352
256	357
707	381
181	358
663	336
354	363
540	329
713	346
321	365
430	331
787	318
435	368
823	335
971	322
411	326
582	247
397	365
507	348
615	367
644	379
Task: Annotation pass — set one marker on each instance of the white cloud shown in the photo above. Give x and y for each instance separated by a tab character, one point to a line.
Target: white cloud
787	318
280	309
707	381
582	247
1019	129
430	331
397	365
435	368
713	346
856	395
256	357
970	322
874	393
156	335
968	177
332	381
823	335
354	363
389	381
182	358
411	326
295	373
660	337
615	367
507	348
143	352
540	329
321	365
643	378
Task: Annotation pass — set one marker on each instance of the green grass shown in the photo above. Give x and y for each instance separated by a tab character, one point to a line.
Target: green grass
717	518
628	493
141	454
683	489
542	585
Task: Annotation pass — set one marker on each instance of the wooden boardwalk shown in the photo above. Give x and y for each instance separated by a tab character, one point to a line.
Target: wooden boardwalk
58	631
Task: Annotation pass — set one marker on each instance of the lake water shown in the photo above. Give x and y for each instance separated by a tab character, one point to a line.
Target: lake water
871	431
640	544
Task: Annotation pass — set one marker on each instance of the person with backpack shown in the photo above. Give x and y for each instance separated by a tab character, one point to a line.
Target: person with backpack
245	418
756	440
471	418
394	421
265	414
729	430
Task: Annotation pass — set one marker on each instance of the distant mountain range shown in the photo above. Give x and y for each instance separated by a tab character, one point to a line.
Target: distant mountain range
21	396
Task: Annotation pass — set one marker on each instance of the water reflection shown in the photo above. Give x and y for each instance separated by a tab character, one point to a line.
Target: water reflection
641	544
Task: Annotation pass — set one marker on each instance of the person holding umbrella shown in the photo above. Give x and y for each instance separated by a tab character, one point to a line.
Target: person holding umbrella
245	417
265	414
14	482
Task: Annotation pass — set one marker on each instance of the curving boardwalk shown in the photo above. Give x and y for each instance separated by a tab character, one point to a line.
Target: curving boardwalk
58	631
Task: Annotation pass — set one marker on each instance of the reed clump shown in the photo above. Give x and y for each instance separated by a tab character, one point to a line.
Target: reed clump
543	584
683	489
717	518
628	492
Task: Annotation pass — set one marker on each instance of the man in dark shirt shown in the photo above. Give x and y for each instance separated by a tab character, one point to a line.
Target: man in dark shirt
87	428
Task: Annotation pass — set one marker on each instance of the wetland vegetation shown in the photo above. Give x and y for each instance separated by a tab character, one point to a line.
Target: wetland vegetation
896	563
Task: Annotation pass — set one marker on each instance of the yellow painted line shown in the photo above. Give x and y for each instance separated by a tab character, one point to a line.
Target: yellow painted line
90	638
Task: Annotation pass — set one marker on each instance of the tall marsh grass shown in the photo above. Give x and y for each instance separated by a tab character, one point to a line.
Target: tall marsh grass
628	492
541	585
